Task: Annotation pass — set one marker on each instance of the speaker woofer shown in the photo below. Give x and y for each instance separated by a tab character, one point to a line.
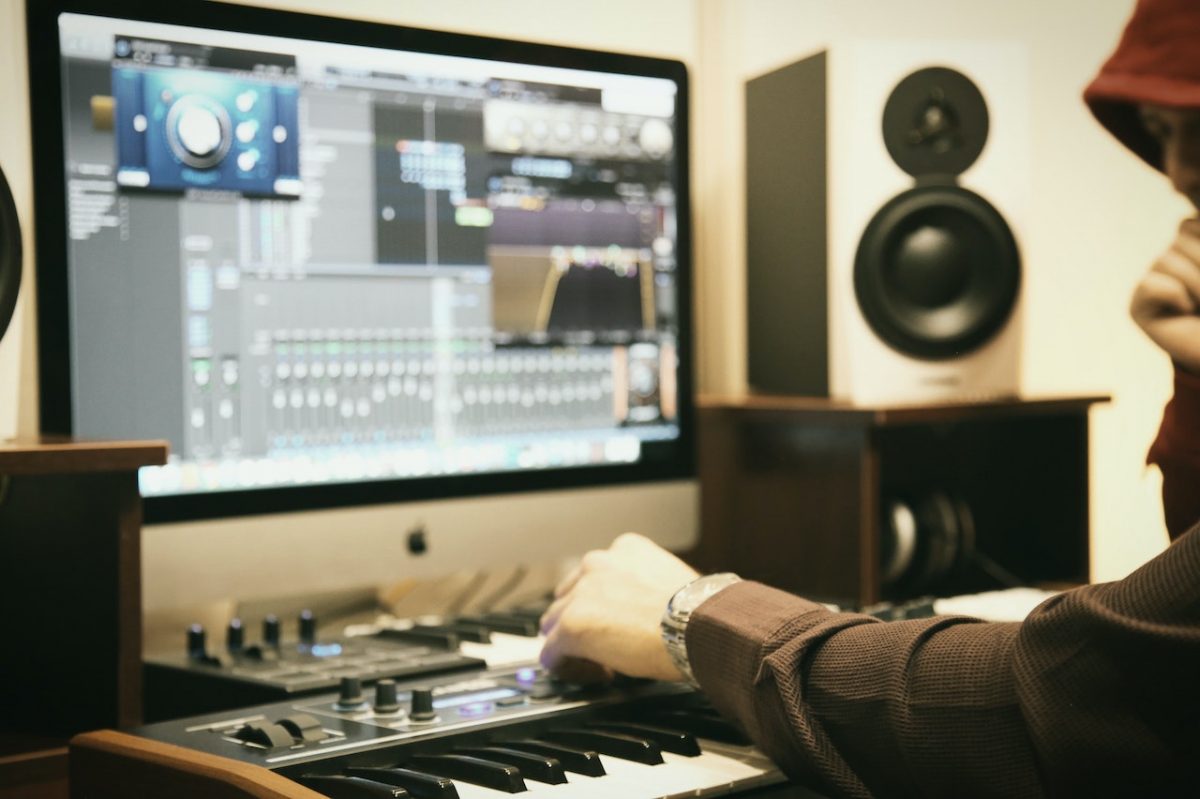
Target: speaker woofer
10	255
937	272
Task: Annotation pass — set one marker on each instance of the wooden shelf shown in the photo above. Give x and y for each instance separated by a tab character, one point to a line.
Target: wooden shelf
822	410
70	571
48	455
794	490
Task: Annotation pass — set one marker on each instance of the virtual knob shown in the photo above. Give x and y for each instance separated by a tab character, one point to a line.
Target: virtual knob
422	705
198	131
308	628
350	695
386	702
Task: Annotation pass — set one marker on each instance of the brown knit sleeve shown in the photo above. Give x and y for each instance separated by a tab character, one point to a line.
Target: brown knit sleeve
1176	451
1075	701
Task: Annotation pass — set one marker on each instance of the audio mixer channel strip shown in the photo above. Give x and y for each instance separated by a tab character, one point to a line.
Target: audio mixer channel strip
490	733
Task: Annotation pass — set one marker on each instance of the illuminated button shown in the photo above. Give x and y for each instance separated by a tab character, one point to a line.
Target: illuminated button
279	400
279	134
246	100
283	370
300	370
335	370
246	131
248	160
351	369
139	123
367	369
225	409
318	370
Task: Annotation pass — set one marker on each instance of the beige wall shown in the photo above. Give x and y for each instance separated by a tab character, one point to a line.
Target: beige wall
1098	216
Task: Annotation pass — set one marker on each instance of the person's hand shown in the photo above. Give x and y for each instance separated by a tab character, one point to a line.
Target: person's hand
606	613
1166	303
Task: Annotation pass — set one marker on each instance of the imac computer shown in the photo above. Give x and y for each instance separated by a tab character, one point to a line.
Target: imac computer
382	289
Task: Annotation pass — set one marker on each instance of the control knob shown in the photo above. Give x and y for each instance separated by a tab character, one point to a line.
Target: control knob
422	705
308	628
350	696
270	632
235	636
386	702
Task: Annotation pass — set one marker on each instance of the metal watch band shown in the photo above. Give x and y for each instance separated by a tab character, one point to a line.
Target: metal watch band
679	611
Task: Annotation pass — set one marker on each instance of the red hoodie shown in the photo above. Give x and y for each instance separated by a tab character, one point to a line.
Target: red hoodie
1158	61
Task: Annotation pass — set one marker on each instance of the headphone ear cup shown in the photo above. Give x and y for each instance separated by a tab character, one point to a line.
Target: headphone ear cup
939	526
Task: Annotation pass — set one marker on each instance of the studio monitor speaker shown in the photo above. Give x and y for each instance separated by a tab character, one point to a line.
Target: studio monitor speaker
885	186
10	255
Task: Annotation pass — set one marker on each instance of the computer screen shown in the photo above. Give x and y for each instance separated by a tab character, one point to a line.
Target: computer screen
336	262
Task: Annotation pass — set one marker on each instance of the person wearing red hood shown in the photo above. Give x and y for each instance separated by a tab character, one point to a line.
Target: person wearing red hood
1096	693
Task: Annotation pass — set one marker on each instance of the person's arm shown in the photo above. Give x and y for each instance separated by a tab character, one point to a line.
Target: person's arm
1095	694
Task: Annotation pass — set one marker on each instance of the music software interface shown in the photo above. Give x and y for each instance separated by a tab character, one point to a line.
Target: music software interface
305	263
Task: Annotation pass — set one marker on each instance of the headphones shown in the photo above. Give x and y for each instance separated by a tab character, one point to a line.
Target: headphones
10	255
925	541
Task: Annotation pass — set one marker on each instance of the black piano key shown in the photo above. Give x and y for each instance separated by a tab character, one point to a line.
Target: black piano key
338	787
476	770
442	639
418	784
469	632
625	747
542	768
574	760
701	725
504	623
677	742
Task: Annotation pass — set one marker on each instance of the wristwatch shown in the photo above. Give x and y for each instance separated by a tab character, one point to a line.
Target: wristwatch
680	609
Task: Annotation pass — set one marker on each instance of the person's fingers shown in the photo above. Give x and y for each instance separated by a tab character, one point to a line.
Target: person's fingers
551	653
1160	291
1183	267
550	618
567	583
1190	227
582	671
1180	338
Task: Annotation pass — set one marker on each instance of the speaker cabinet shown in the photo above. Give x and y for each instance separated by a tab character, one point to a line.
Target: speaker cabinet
10	255
885	186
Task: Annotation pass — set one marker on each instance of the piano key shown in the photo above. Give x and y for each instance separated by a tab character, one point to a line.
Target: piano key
505	650
579	761
677	741
542	768
476	770
418	784
442	639
339	787
626	747
701	725
504	623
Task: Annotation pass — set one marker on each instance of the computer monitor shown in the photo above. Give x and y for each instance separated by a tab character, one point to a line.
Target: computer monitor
366	280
